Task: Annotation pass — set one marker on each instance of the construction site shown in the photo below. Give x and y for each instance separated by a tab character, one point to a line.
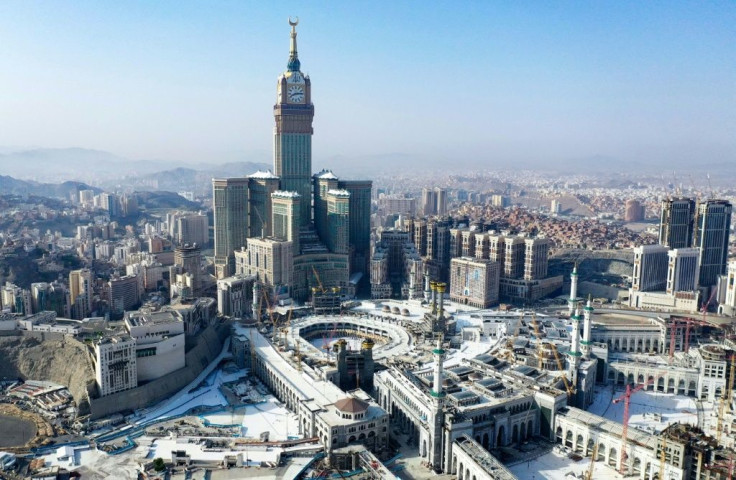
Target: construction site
428	388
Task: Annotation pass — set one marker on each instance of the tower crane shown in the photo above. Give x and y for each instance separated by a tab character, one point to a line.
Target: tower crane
510	340
316	275
626	398
568	386
539	340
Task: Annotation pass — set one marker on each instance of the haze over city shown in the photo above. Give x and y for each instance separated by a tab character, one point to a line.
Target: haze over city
478	84
377	241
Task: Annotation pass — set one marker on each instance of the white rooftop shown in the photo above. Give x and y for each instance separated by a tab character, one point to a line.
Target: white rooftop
267	175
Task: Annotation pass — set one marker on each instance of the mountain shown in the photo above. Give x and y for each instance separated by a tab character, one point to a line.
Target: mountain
10	185
188	179
161	199
79	164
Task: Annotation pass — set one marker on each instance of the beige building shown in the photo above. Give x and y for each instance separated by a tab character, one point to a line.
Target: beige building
270	260
474	281
285	217
535	258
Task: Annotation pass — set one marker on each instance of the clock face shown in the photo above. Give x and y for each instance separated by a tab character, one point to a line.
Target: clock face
295	93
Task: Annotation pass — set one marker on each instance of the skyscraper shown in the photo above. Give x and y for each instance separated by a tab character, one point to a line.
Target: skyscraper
650	268
535	258
441	195
711	236
80	292
683	270
293	114
338	210
193	229
360	222
676	222
429	201
230	201
286	207
260	187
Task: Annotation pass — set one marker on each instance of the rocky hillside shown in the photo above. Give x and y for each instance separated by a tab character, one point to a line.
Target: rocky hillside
63	361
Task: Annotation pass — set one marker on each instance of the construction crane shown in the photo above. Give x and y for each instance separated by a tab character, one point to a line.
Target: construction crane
568	386
510	340
626	398
316	275
728	467
589	473
539	340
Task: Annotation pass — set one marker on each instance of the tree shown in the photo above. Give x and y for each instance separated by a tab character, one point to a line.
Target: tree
159	465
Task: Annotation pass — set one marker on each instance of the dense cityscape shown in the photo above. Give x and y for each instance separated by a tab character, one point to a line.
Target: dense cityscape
268	320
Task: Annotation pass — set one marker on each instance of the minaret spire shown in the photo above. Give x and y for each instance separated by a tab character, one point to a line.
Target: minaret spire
293	65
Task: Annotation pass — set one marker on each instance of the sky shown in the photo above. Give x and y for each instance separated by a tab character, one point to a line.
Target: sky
476	82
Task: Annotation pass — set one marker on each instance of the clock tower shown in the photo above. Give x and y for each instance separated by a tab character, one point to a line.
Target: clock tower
294	112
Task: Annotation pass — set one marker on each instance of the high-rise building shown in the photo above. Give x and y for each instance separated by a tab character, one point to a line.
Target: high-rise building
16	299
125	294
728	298
535	258
683	270
514	257
188	259
338	211
235	296
711	235
676	222
441	195
261	186
419	233
80	293
555	206
324	181
359	230
634	211
270	261
230	200
474	282
285	210
650	268
193	229
294	114
429	201
115	364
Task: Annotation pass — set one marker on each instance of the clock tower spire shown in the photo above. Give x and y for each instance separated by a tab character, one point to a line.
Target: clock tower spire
293	65
293	113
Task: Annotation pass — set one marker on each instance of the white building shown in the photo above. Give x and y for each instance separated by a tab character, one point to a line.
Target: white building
683	270
235	296
115	364
159	343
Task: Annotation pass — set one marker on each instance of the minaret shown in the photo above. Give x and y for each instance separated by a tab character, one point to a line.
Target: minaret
427	291
574	353
573	301
438	395
586	342
256	300
439	355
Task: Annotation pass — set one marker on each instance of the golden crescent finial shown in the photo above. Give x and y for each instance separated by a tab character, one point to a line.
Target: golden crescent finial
294	23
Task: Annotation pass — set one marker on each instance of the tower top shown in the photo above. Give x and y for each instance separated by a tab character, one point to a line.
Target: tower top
293	65
575	269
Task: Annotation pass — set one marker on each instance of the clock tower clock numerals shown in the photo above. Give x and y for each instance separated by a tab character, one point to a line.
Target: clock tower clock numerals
295	94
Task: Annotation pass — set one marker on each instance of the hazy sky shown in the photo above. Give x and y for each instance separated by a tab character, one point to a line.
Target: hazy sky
487	80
